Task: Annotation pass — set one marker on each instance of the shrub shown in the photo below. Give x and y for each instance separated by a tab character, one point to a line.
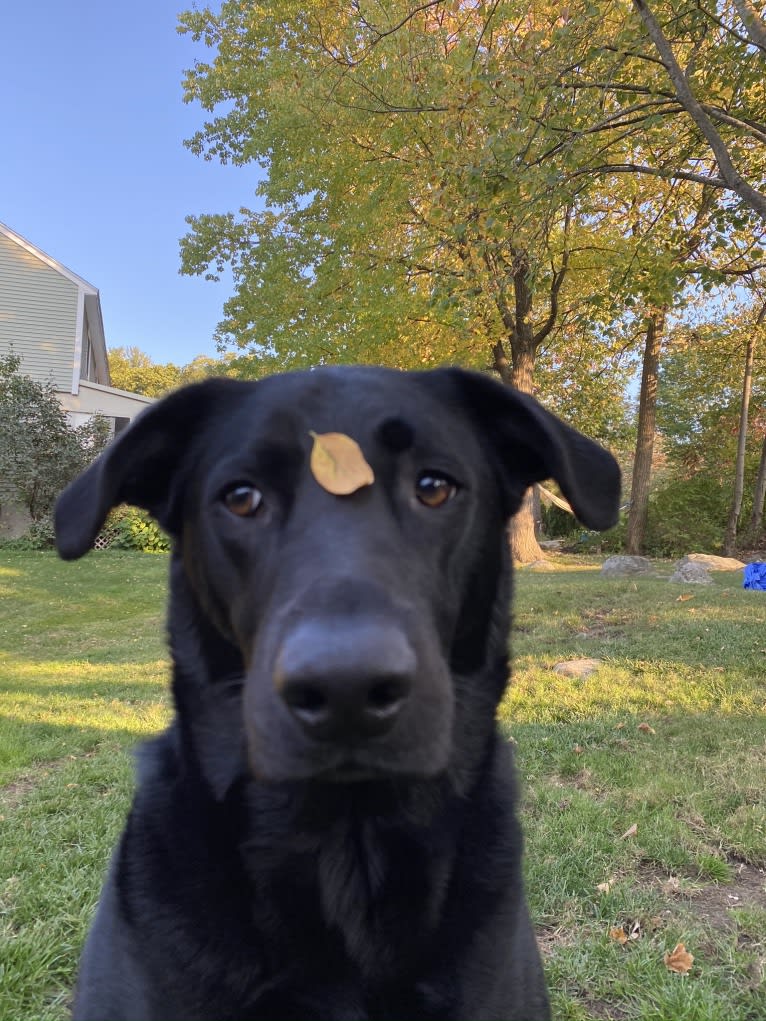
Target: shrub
688	514
39	451
134	529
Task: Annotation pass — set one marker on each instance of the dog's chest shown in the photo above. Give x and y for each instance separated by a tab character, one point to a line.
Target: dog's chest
365	897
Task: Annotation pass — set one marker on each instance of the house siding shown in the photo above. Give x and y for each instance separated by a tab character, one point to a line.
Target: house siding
38	315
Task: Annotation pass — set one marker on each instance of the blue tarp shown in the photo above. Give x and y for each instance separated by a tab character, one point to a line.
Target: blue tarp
755	575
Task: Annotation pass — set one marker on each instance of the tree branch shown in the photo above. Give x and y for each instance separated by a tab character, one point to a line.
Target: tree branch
731	176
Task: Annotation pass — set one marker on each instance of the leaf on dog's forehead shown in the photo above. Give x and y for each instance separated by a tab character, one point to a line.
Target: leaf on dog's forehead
338	464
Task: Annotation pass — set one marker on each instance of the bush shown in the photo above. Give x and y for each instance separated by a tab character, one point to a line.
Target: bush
40	535
39	451
688	514
134	529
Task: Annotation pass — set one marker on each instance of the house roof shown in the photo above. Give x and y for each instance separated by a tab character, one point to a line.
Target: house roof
92	300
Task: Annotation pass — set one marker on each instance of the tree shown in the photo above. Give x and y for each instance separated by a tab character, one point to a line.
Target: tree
700	415
39	452
730	536
753	47
132	370
409	218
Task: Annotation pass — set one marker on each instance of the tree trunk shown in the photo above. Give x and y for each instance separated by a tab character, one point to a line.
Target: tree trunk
525	548
759	496
647	416
730	535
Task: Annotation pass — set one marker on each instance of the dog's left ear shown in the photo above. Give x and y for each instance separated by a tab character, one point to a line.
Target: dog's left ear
533	445
140	467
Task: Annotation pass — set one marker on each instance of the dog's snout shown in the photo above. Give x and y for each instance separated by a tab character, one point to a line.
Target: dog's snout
345	682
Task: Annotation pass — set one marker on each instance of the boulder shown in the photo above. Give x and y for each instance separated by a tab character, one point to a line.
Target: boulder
577	667
624	566
691	573
712	562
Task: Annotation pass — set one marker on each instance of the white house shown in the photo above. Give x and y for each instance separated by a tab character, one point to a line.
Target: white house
51	318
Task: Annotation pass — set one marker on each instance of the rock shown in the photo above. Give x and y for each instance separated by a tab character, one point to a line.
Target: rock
625	566
691	573
713	563
577	667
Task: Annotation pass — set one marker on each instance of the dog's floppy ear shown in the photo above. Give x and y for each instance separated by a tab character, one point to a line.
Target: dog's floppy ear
534	445
138	467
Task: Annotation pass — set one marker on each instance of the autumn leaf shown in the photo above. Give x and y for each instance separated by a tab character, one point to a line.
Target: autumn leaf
684	597
578	749
617	933
646	729
679	960
630	832
338	464
604	887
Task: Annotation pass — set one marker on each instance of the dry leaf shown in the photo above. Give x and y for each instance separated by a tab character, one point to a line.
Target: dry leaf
635	931
604	887
338	464
620	726
617	933
685	597
679	960
646	729
631	832
578	749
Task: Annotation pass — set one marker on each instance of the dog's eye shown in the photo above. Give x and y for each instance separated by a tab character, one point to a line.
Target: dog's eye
434	490
242	500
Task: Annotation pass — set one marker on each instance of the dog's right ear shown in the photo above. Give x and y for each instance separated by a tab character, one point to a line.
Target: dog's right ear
139	467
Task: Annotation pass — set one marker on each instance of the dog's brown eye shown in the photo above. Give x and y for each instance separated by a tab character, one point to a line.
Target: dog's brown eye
434	490
243	501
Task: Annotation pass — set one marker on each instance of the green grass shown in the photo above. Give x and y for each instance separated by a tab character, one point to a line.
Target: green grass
83	674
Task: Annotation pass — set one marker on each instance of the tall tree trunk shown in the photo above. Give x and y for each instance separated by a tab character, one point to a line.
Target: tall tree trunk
730	535
525	548
759	496
647	417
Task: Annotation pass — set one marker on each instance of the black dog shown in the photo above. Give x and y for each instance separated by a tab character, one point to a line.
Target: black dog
327	829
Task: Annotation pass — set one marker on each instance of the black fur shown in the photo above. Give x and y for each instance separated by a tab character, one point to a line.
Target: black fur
287	861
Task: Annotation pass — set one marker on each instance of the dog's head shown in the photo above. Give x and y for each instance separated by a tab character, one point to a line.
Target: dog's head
370	627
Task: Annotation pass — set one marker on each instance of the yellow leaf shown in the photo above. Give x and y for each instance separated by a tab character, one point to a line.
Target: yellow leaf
679	960
646	729
338	464
630	832
684	597
617	933
604	887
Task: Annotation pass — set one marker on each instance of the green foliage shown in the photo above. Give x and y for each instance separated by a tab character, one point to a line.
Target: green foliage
688	515
39	452
39	536
131	528
133	370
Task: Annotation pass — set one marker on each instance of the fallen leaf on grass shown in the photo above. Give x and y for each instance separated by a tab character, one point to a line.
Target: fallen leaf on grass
646	729
578	749
630	832
604	887
338	464
679	960
684	597
620	726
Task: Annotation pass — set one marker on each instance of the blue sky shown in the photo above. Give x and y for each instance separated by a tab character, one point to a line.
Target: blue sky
92	164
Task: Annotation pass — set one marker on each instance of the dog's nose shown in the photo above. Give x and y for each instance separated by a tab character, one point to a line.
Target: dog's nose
345	682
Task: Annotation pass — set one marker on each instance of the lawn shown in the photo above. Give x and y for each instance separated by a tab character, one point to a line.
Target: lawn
643	783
